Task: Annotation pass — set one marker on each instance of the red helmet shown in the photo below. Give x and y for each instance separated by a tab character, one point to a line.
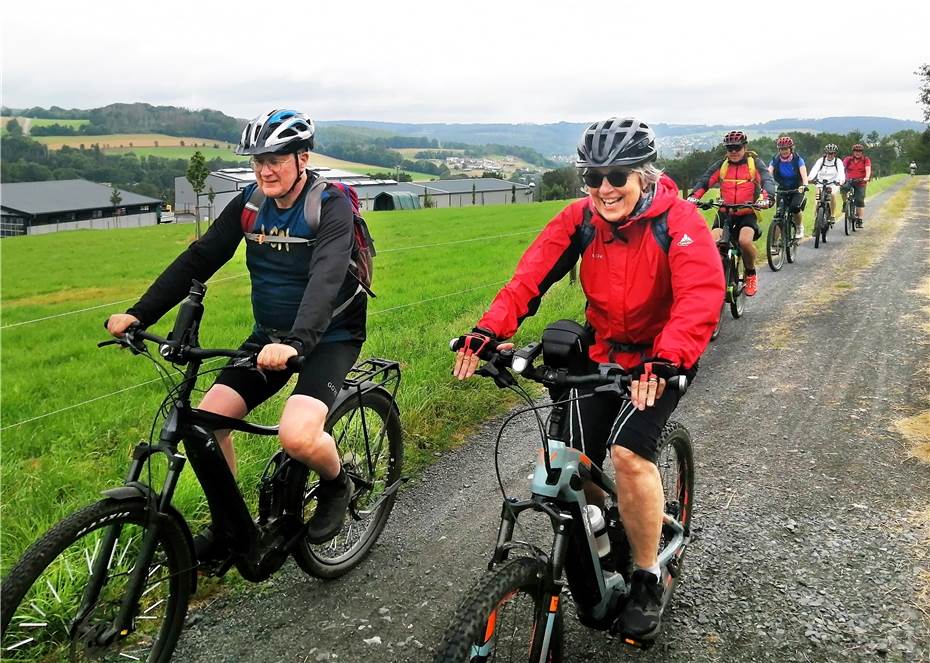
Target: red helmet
784	141
735	138
858	147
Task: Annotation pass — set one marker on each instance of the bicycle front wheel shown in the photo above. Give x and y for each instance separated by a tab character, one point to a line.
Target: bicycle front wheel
369	441
51	611
775	245
507	616
738	287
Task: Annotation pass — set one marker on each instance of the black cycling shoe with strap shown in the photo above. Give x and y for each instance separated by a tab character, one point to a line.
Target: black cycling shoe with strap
642	616
208	549
333	499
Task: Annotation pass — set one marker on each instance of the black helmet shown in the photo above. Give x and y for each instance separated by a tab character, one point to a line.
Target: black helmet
617	141
277	132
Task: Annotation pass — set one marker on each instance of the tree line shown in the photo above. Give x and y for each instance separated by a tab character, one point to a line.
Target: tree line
26	160
136	118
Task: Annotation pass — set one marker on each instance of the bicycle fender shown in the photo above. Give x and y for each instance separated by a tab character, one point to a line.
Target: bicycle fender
134	490
346	394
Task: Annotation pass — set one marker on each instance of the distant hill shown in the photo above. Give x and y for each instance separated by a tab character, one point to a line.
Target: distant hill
561	137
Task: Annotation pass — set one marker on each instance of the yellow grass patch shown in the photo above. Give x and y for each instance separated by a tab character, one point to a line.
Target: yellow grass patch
116	141
92	295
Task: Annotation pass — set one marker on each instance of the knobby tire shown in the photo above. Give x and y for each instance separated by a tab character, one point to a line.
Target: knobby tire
42	593
377	463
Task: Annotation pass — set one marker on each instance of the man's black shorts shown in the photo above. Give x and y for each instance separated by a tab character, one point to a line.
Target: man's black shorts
739	222
858	192
321	376
602	419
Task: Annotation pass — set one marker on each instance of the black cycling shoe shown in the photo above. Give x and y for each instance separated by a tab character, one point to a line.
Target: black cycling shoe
332	501
642	616
208	548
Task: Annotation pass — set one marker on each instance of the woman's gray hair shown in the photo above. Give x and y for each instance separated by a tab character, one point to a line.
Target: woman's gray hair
649	173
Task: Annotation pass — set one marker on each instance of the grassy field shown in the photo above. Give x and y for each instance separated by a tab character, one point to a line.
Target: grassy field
71	412
68	428
40	122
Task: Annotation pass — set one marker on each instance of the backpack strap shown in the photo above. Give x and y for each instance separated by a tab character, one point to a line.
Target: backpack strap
658	225
660	231
253	203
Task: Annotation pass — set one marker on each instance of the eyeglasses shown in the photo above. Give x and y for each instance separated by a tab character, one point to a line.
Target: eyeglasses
784	149
616	178
734	148
857	150
275	162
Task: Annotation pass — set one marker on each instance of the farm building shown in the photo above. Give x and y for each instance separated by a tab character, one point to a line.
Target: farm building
228	182
391	200
31	208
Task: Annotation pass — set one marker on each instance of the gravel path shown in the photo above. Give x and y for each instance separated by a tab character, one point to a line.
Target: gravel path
808	533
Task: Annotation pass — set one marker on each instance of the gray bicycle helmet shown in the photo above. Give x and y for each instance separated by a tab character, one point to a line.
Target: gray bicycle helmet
616	141
276	132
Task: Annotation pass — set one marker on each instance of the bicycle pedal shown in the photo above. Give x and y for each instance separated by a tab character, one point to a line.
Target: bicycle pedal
637	643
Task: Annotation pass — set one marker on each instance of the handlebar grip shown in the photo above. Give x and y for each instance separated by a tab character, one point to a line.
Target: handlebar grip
454	344
296	362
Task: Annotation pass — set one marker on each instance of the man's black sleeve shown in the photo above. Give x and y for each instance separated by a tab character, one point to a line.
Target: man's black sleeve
329	267
199	261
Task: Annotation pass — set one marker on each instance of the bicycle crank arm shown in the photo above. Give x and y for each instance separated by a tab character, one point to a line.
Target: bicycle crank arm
390	490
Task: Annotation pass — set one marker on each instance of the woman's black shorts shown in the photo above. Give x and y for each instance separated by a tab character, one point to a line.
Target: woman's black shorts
602	419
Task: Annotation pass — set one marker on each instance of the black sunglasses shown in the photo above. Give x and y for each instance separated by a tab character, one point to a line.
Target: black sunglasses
734	148
617	178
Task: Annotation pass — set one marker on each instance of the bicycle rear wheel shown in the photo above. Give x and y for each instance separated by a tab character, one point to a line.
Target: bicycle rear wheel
506	616
775	245
369	441
44	591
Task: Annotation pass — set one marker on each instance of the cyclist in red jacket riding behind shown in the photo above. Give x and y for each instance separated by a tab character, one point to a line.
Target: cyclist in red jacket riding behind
858	173
654	286
742	178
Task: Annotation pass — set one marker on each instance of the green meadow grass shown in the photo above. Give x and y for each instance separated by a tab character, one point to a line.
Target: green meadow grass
67	428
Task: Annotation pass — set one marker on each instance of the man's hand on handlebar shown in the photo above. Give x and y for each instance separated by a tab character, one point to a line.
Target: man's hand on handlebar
118	323
274	356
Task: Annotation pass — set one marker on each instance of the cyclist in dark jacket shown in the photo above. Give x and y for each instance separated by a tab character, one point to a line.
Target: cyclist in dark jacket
742	178
304	302
654	287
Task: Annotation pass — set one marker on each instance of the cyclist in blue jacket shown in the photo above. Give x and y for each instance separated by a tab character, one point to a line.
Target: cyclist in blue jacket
789	170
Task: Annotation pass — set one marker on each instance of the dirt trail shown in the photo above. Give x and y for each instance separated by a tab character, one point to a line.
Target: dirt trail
808	508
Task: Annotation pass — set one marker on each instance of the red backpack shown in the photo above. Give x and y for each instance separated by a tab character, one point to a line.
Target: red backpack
363	247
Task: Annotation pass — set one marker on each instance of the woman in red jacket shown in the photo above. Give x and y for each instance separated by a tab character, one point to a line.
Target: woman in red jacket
654	286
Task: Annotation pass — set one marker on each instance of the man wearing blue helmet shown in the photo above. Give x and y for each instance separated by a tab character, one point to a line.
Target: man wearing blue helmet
305	301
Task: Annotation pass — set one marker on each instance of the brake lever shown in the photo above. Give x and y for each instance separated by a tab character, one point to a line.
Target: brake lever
501	376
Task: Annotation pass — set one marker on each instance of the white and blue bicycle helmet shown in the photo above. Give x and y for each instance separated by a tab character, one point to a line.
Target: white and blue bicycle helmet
279	131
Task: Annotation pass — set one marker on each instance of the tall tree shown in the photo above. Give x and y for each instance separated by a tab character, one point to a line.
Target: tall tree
13	128
923	74
197	173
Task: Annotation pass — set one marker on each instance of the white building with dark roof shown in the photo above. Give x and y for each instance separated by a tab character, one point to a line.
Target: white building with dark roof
30	208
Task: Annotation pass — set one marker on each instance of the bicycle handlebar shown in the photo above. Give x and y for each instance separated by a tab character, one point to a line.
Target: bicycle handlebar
134	337
612	376
719	203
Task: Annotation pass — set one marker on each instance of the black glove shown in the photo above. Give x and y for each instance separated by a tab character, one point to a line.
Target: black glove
479	341
661	368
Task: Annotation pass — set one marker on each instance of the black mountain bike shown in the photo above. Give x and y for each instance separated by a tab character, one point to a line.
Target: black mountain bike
822	221
514	612
851	222
112	581
734	271
781	242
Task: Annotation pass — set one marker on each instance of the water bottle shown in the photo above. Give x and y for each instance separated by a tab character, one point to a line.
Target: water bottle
599	529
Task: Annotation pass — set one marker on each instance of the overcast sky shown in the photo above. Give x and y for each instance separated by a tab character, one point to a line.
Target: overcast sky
473	60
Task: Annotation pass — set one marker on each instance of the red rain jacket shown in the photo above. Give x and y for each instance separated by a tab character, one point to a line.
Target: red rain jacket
637	293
